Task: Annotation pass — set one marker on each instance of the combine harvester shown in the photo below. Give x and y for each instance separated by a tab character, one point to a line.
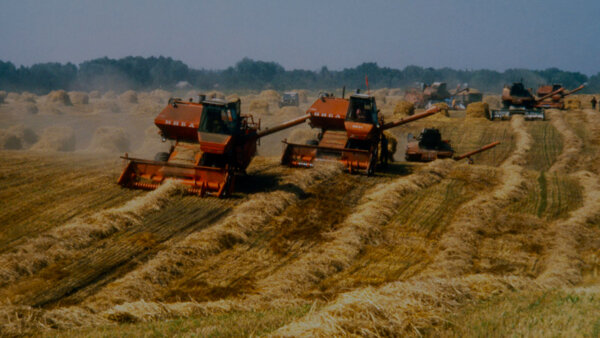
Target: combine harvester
213	142
516	99
351	132
557	99
429	146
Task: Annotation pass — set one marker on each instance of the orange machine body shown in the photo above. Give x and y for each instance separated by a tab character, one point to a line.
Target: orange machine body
219	140
553	96
351	131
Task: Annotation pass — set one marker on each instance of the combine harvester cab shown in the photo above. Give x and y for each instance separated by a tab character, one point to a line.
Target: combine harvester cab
516	99
430	146
211	142
351	131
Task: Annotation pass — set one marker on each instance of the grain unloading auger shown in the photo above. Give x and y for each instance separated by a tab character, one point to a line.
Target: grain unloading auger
517	99
430	146
212	140
351	131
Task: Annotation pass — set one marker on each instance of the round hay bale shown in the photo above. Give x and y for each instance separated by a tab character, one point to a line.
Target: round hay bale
493	101
215	95
259	106
59	97
56	138
110	139
79	98
443	108
572	104
270	95
477	109
404	108
2	96
129	96
27	97
94	94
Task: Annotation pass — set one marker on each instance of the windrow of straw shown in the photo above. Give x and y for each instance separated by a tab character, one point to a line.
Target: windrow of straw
459	244
148	281
359	229
67	240
562	262
572	144
398	308
56	138
18	320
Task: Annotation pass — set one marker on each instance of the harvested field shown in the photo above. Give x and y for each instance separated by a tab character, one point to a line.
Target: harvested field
437	249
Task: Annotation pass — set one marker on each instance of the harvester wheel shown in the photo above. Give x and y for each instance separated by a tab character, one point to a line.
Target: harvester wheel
161	156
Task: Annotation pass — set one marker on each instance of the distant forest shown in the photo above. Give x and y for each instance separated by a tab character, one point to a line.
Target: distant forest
141	73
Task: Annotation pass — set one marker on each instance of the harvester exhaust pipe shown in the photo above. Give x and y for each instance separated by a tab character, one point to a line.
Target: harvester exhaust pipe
343	91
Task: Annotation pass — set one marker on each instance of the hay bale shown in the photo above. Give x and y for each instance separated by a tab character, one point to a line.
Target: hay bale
404	108
110	139
493	101
27	97
443	108
129	96
572	104
79	98
380	96
215	95
270	95
56	138
232	97
2	96
290	111
26	135
259	106
396	92
160	95
59	97
94	94
477	109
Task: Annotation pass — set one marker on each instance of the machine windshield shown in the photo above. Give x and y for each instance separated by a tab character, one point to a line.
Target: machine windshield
362	110
219	120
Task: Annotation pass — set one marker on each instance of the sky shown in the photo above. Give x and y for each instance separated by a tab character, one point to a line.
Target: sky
461	34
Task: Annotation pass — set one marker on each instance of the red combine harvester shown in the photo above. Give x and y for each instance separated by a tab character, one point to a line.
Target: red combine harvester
212	142
429	146
351	131
554	96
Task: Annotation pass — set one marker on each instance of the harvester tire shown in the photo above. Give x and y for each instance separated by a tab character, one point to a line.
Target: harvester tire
161	156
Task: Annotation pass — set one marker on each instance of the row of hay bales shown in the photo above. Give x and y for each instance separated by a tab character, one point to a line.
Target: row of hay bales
108	139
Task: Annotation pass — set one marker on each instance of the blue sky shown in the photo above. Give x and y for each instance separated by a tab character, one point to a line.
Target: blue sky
309	34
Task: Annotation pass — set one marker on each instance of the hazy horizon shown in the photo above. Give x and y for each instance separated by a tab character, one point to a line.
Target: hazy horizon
309	34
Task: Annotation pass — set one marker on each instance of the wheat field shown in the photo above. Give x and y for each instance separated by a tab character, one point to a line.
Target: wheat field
505	246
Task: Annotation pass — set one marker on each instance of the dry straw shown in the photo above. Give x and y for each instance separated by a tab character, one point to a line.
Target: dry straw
150	280
477	109
56	138
68	240
59	97
572	144
79	98
129	96
109	139
404	108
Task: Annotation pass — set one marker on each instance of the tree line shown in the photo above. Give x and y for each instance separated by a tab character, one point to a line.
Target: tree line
140	73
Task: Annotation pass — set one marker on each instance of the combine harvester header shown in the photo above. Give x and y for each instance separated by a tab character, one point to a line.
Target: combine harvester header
351	131
213	141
